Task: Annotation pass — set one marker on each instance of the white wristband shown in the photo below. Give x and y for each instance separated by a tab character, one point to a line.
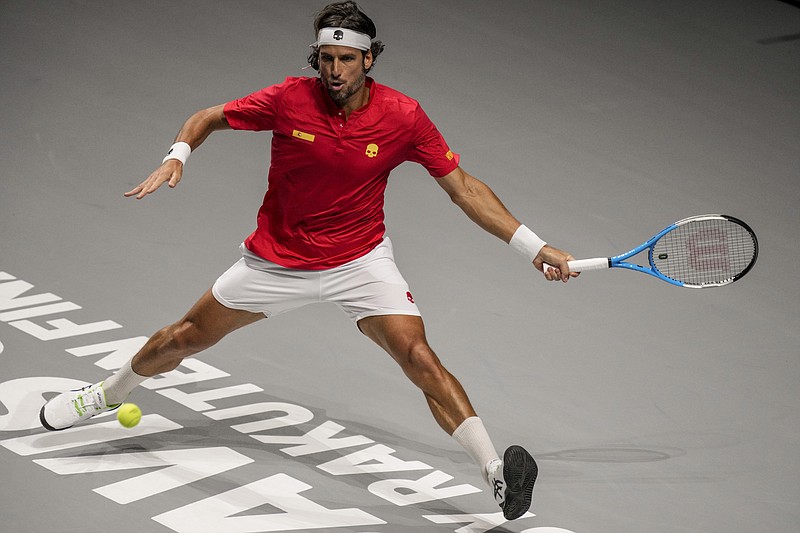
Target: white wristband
180	151
526	242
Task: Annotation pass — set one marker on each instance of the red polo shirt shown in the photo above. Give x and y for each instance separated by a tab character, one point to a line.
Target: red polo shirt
327	175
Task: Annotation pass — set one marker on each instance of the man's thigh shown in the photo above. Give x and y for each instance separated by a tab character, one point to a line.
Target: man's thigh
211	320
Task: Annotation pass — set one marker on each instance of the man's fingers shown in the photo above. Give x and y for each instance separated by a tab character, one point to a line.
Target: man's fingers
133	191
175	178
144	192
551	273
561	272
166	173
141	191
564	269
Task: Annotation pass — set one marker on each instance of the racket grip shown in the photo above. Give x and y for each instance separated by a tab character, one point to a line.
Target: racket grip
583	265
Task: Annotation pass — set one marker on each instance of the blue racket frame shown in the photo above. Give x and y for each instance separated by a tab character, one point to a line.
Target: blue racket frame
619	261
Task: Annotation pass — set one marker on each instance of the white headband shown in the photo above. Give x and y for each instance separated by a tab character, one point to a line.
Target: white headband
343	37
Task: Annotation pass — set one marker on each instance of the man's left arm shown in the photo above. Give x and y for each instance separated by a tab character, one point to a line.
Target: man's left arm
484	208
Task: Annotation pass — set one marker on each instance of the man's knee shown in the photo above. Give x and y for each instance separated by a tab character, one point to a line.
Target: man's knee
420	363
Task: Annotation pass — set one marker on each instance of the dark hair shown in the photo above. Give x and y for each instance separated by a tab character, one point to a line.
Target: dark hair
345	15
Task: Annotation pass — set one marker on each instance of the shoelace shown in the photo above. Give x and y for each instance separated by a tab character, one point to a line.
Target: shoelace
498	488
85	401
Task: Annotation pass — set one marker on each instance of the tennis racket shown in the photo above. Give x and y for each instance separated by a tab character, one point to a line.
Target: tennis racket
696	252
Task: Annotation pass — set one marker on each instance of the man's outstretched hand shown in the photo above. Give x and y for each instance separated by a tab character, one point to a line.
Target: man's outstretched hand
169	172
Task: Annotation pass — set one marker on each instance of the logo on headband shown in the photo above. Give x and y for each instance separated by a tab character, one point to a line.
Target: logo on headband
338	35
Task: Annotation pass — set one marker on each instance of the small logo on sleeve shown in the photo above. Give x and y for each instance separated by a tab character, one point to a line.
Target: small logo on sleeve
449	155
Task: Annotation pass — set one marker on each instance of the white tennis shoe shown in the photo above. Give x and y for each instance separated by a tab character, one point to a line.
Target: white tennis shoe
70	408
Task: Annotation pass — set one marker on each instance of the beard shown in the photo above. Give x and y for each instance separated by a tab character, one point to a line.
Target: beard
341	96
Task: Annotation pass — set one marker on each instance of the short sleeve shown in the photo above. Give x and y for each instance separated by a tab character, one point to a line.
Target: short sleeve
256	111
429	148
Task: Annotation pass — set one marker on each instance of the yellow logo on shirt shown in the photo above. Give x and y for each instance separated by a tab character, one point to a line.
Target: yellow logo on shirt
372	150
302	135
449	155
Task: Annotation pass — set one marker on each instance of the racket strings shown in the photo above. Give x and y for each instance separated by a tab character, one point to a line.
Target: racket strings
705	252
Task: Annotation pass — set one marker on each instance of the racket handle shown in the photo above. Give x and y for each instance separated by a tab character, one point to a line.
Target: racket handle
584	265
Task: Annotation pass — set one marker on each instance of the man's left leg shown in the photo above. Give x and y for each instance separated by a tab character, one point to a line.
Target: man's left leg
403	337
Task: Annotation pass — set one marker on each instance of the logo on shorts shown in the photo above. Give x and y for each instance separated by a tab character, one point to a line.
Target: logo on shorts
410	297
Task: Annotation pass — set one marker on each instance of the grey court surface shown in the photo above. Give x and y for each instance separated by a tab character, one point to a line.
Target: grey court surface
650	408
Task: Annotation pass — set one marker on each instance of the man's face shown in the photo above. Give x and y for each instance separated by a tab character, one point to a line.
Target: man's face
343	70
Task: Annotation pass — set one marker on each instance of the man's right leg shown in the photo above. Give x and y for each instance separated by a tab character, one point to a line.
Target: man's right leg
204	325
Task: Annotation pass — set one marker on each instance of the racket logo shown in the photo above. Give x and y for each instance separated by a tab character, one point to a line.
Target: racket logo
709	251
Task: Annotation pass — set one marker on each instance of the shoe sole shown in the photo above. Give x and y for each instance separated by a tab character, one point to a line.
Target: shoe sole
519	471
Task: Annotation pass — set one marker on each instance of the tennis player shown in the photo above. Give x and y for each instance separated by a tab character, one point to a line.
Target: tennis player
320	235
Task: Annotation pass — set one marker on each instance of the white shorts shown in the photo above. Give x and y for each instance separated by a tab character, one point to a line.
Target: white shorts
368	286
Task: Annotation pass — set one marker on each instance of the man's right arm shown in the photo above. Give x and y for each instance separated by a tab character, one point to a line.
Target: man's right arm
194	131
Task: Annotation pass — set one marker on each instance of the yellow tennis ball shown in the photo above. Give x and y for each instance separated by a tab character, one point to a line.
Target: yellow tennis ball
129	415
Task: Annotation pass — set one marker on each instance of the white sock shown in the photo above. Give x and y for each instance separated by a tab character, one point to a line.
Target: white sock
472	436
120	385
